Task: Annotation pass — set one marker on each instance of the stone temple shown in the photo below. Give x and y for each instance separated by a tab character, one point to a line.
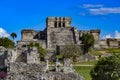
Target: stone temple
58	32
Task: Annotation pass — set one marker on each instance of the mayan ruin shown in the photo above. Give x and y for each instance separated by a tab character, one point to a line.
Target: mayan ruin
59	39
25	61
59	31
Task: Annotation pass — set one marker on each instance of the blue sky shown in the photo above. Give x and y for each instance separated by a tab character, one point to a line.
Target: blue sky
16	15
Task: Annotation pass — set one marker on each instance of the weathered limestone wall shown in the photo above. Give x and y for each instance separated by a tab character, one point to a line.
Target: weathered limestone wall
27	35
22	71
103	44
33	56
25	43
58	22
3	54
23	55
96	34
58	31
59	36
113	43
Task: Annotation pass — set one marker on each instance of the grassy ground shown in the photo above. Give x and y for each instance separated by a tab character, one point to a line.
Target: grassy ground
103	51
84	71
84	68
85	63
112	50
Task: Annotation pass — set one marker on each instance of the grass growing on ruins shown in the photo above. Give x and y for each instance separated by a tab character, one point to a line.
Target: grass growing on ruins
84	71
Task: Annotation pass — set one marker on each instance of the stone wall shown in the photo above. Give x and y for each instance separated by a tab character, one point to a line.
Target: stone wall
59	36
58	22
113	43
3	55
96	34
27	35
103	44
33	56
110	43
22	55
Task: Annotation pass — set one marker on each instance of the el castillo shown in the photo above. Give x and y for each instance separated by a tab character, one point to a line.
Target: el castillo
60	52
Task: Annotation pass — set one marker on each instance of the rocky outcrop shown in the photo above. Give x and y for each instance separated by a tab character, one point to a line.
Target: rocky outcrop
22	71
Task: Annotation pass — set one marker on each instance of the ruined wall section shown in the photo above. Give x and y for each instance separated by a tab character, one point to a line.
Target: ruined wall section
25	55
103	44
96	34
22	71
27	35
112	43
58	22
59	36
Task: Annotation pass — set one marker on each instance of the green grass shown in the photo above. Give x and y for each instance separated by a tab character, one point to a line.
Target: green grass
95	52
85	63
102	51
59	56
84	71
113	50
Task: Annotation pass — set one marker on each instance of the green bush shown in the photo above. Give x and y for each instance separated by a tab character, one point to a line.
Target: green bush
70	50
107	68
7	43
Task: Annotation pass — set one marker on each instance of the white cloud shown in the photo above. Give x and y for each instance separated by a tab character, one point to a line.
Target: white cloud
99	9
117	34
3	33
92	5
107	36
102	11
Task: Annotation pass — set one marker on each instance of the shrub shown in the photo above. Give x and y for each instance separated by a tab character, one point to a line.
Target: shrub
107	68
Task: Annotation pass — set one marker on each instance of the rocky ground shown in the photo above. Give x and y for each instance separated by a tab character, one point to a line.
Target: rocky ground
22	71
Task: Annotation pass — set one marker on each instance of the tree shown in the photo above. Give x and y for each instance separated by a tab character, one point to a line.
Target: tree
70	50
7	43
13	35
88	41
107	68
